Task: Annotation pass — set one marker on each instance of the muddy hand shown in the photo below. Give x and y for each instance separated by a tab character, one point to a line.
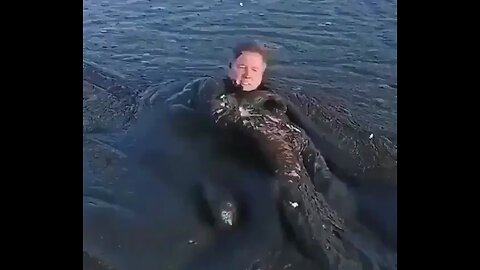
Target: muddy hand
219	206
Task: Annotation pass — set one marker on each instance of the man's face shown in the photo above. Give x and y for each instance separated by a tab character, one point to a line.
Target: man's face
247	70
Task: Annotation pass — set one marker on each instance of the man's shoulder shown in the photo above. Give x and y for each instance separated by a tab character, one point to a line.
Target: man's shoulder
209	87
194	88
210	81
204	83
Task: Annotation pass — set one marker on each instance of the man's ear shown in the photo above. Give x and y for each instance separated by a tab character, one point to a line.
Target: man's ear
264	66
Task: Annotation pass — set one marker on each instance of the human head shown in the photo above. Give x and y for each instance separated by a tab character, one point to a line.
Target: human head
248	65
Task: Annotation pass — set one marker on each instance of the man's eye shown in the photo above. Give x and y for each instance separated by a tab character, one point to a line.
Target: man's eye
255	69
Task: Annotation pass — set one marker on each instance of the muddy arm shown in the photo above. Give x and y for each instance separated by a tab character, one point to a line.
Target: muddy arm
301	120
206	98
186	95
313	159
199	98
316	166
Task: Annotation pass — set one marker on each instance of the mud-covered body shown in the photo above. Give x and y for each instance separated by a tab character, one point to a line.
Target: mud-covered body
262	116
142	241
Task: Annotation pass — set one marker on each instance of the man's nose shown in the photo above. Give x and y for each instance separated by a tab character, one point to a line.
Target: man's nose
247	72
